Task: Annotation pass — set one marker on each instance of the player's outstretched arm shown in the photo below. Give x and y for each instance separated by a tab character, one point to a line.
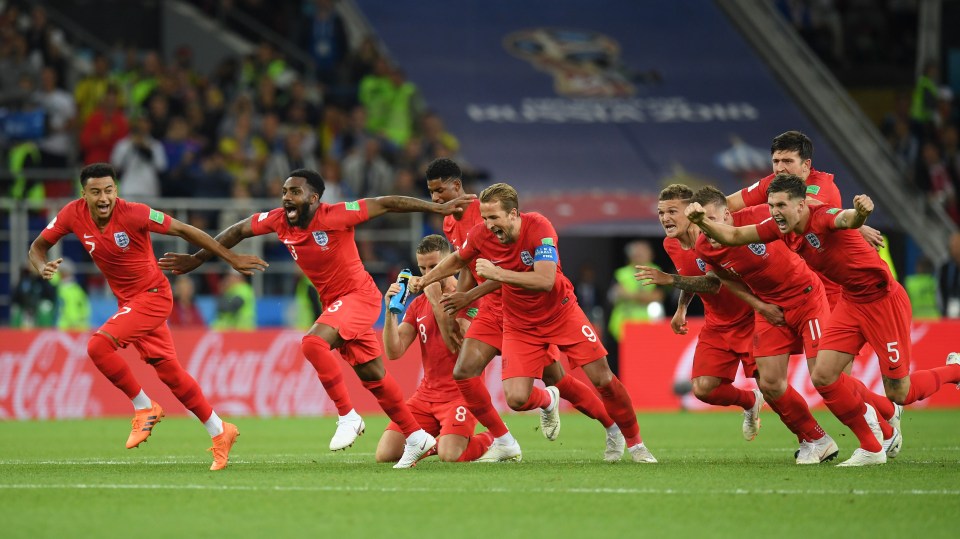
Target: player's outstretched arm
447	267
400	204
397	336
180	263
38	258
722	233
541	279
703	284
855	217
245	264
735	202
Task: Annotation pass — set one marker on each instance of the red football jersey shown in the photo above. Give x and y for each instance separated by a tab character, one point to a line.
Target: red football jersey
457	232
820	187
843	256
325	250
773	272
523	309
437	384
723	309
123	251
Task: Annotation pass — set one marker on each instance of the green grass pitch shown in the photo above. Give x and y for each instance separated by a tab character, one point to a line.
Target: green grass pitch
75	479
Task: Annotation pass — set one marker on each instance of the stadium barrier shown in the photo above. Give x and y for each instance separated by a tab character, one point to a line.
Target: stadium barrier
47	374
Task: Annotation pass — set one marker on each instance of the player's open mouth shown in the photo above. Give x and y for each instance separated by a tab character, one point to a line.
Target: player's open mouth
669	228
103	209
291	212
498	232
781	222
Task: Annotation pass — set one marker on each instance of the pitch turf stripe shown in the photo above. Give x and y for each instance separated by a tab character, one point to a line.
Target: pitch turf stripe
653	491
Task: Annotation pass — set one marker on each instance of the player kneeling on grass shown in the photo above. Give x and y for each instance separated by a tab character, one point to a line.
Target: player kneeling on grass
437	404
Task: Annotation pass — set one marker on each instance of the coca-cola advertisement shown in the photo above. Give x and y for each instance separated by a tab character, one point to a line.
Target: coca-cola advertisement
655	365
48	375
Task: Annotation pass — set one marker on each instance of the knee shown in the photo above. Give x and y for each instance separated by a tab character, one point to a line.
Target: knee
467	368
449	454
772	388
822	377
384	456
99	345
703	387
896	392
516	400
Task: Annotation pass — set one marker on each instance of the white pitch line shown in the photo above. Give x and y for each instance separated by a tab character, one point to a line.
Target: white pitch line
621	491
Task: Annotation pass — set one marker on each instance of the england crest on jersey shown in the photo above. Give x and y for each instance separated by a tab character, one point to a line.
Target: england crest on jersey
813	240
526	258
321	238
702	265
758	249
121	239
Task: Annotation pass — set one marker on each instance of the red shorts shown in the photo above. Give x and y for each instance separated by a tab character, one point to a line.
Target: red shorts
440	418
353	316
801	334
884	323
526	354
142	322
721	350
487	328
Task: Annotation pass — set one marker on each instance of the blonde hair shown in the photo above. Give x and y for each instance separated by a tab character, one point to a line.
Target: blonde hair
503	193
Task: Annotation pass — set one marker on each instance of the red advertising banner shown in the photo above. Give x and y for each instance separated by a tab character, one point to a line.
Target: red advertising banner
48	375
654	361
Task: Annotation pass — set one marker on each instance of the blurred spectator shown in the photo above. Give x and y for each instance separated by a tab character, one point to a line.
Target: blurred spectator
435	134
182	153
291	157
366	173
948	281
103	129
300	96
905	145
147	80
73	306
334	191
632	301
158	110
934	179
34	301
243	149
266	101
211	180
236	306
922	288
926	94
307	304
324	37
185	312
56	147
265	62
91	90
360	62
140	159
14	66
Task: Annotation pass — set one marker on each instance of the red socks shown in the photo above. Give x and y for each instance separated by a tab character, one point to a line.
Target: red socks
390	397
618	404
539	398
926	383
795	414
183	386
727	394
476	446
846	403
103	352
478	401
582	397
317	352
881	404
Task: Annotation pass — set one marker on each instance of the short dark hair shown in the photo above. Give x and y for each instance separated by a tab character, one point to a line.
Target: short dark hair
432	243
314	179
710	195
676	191
793	141
791	184
97	170
444	169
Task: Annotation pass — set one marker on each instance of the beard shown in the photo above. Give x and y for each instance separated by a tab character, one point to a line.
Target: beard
302	218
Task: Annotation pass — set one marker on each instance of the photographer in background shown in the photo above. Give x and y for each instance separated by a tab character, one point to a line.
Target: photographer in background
140	158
